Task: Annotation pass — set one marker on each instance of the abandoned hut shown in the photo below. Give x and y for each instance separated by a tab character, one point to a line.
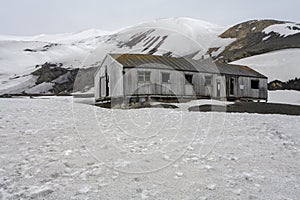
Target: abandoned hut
132	77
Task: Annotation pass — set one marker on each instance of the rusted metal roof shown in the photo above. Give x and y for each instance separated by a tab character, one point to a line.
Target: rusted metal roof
183	64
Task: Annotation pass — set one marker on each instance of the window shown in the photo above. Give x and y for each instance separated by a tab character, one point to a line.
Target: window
144	76
188	78
255	84
208	80
165	77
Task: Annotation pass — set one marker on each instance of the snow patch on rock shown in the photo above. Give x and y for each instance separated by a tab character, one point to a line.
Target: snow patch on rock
283	30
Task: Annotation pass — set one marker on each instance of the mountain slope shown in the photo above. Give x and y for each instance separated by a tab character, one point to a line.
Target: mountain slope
257	37
277	65
21	56
52	63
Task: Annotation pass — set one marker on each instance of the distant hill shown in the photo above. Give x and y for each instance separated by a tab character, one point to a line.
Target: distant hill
293	84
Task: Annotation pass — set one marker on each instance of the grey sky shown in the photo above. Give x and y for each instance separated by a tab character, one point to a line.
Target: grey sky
29	17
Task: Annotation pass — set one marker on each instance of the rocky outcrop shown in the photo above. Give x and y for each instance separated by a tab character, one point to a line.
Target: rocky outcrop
64	80
48	72
252	40
293	84
242	30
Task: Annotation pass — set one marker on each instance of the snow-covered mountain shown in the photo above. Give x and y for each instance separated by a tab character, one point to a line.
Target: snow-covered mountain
269	46
21	56
51	63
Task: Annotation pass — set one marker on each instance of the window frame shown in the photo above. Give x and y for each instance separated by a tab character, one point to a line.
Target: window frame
188	82
254	84
145	75
162	77
206	82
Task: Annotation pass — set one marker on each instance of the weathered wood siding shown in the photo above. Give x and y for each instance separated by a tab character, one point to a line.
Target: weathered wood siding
244	88
124	82
177	85
115	79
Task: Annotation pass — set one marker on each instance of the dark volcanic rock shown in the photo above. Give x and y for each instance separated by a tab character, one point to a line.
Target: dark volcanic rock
276	85
135	39
65	80
30	50
293	84
251	40
48	72
44	48
242	30
154	49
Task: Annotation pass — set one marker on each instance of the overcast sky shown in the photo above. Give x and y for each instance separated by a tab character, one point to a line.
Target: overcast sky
30	17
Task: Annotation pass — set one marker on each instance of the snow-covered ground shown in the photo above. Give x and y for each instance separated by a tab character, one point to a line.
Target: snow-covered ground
284	96
56	148
277	65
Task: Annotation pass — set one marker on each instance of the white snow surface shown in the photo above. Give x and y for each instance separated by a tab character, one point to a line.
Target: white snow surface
285	29
284	96
277	65
60	38
195	32
48	150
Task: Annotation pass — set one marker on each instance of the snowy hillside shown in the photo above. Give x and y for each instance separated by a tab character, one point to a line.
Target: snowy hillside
19	56
257	37
60	38
185	35
284	96
277	65
22	57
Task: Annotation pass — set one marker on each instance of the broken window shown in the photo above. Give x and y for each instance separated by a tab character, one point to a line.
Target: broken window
188	78
144	76
165	77
255	84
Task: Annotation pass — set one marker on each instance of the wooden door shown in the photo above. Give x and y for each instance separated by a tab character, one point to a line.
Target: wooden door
218	89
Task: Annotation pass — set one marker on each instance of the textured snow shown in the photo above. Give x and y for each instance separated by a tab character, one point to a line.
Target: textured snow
9	85
41	87
284	30
197	32
266	38
55	148
277	65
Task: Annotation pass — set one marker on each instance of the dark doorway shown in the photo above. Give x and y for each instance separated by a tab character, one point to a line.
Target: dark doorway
231	86
106	83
